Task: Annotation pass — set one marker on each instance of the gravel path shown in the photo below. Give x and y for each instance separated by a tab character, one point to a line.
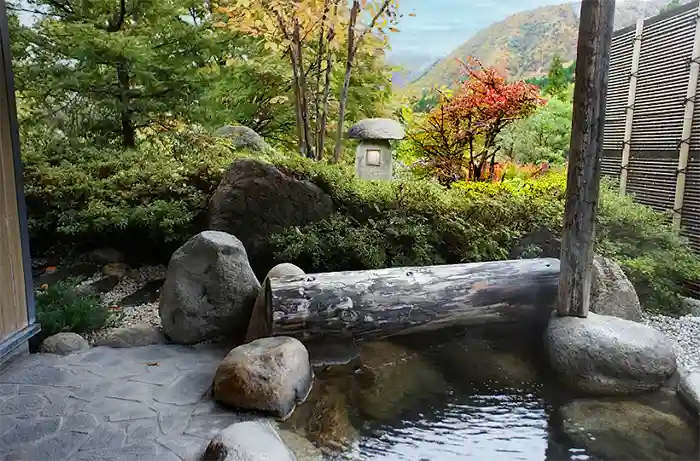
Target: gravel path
685	334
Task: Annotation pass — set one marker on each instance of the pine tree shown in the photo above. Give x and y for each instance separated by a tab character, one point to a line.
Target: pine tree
557	82
104	69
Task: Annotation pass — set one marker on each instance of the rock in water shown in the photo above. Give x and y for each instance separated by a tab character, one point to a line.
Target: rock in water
689	391
209	290
64	344
272	375
325	417
255	200
627	430
480	363
260	324
243	137
612	293
248	441
302	448
603	355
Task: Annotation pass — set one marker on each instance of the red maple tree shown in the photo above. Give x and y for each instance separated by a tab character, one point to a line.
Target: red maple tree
460	136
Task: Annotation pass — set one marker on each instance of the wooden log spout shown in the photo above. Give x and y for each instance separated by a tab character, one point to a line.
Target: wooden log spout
380	303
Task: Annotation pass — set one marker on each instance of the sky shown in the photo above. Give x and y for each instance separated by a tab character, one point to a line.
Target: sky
442	25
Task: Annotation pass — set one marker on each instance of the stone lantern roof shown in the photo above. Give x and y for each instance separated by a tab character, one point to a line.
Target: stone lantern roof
377	128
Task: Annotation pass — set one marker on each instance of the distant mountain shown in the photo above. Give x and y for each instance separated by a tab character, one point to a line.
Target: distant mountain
523	45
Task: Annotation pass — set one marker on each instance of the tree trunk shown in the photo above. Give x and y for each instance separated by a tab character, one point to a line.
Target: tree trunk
341	113
317	82
379	303
304	109
321	141
583	175
127	124
301	137
346	81
324	113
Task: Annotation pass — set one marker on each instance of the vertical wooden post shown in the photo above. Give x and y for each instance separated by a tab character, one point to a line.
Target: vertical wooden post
583	177
687	128
631	96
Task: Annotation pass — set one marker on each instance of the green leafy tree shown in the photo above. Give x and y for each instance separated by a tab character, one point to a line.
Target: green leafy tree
107	68
543	137
250	87
557	82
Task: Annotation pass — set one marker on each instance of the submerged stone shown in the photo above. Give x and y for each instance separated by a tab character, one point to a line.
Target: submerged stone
628	430
394	379
325	417
476	362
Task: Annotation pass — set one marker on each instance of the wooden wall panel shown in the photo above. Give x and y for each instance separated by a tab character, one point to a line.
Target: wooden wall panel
13	302
13	299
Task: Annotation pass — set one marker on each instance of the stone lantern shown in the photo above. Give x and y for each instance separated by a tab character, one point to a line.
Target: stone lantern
373	158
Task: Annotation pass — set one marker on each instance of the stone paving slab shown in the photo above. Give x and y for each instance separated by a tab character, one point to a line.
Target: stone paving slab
103	404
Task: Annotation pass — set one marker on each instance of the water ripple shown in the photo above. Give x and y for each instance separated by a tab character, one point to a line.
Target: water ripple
493	427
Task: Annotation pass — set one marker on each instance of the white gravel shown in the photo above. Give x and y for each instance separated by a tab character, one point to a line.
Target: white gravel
134	280
684	332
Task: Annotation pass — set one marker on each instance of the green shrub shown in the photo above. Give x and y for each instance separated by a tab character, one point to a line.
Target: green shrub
398	223
153	198
157	198
62	307
384	224
643	242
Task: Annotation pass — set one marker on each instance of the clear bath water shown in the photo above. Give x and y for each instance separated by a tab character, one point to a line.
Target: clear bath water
494	403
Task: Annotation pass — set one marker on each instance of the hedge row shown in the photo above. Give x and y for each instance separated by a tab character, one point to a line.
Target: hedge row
155	198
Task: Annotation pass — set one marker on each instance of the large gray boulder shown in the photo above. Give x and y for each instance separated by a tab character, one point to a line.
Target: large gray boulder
209	290
377	128
255	200
612	293
248	441
243	137
603	355
270	375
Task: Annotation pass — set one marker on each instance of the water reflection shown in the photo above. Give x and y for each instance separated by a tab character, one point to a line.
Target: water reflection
494	427
472	396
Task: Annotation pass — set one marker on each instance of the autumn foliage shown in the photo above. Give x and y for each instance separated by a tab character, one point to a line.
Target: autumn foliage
314	34
459	137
